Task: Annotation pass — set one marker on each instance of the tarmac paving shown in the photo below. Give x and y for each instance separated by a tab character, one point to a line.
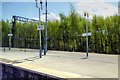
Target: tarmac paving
64	64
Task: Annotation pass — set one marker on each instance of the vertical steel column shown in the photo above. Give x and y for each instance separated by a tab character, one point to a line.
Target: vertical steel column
40	7
87	36
9	42
40	35
13	30
86	17
10	38
45	38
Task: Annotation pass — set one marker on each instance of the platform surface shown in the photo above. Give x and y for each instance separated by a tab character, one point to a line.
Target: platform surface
64	64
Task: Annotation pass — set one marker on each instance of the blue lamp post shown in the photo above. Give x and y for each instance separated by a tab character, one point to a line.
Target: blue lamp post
86	17
39	7
45	38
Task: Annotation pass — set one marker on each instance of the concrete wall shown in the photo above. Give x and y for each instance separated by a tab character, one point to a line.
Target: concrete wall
13	73
0	71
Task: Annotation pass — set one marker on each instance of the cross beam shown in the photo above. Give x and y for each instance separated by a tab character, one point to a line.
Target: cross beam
18	18
23	19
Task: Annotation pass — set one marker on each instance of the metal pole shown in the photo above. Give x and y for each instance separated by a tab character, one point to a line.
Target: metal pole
13	30
4	43
10	38
9	42
87	36
45	45
40	36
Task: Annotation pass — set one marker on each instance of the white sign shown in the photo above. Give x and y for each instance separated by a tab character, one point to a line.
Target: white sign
40	27
10	34
85	34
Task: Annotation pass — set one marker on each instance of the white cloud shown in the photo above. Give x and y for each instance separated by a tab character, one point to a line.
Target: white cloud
94	7
50	16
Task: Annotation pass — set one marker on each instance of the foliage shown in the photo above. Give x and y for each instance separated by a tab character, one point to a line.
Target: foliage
66	34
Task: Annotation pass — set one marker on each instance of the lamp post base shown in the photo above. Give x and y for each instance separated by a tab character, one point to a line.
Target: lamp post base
40	55
45	50
45	45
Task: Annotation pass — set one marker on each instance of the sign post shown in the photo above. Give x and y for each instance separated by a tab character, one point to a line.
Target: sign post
10	35
86	34
39	27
